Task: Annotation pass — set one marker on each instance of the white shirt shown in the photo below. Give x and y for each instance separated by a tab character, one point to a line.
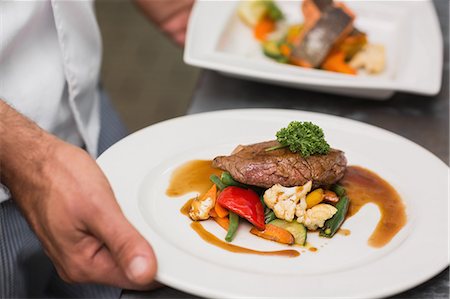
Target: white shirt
50	55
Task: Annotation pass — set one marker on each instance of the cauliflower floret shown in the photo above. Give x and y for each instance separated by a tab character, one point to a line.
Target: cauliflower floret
283	200
316	216
285	209
200	208
372	58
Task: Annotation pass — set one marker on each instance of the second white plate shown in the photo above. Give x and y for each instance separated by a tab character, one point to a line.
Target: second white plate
218	40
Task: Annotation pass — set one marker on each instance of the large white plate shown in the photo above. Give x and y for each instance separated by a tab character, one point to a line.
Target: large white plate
139	169
218	40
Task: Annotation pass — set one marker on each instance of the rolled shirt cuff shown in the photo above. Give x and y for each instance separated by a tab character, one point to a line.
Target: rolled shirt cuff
4	193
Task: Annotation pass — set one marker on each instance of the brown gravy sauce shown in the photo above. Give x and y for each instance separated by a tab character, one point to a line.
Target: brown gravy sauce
192	176
186	207
344	232
211	239
364	186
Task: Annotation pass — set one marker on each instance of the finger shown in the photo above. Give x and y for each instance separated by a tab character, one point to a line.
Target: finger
173	12
107	271
89	261
176	24
128	250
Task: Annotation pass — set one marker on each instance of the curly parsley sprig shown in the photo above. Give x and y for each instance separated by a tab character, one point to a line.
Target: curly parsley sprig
304	138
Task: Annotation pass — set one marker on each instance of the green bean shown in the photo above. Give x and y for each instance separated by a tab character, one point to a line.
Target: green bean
215	179
339	190
261	198
233	226
332	225
228	180
269	215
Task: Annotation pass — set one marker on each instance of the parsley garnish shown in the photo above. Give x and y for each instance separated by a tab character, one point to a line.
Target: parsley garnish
304	138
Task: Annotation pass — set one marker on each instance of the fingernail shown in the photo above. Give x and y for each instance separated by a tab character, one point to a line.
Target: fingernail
137	268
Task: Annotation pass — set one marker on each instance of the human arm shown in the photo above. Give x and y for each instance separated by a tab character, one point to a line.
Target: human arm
69	204
171	16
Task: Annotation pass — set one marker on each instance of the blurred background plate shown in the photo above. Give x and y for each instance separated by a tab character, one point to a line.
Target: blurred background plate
218	40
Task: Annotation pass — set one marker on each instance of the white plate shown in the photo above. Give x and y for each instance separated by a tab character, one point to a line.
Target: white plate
139	168
218	40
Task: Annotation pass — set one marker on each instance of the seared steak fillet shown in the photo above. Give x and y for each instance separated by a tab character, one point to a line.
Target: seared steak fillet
253	165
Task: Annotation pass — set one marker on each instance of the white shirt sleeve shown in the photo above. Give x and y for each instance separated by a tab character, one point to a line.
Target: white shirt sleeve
4	193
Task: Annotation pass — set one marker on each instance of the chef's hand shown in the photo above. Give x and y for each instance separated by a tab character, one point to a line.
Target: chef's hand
69	204
170	15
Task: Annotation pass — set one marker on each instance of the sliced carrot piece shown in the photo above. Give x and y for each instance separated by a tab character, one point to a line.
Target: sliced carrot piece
299	62
335	62
285	50
274	233
212	192
263	28
220	211
213	213
223	222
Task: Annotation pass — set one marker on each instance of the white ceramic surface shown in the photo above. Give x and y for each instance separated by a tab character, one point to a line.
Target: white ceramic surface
218	40
139	168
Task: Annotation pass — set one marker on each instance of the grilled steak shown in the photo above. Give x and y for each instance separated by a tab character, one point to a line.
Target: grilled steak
253	165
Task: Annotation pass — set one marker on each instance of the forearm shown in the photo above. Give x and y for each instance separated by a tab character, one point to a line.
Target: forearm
24	147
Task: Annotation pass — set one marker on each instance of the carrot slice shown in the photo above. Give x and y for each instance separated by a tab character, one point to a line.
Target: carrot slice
335	62
212	192
220	211
263	28
274	233
299	62
285	50
223	222
213	213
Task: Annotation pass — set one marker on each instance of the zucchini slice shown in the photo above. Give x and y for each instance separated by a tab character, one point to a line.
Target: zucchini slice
298	230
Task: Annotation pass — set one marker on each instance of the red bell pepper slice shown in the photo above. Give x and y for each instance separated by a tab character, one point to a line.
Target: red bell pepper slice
245	203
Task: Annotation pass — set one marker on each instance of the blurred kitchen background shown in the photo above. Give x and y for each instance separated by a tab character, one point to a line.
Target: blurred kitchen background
143	72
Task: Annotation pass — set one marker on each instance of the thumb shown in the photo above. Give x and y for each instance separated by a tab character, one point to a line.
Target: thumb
131	252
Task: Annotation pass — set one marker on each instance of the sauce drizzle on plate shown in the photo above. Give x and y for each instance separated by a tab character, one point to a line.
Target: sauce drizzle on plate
192	176
210	238
364	186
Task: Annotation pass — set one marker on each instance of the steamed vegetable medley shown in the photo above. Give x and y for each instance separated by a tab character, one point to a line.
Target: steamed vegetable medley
326	39
281	214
